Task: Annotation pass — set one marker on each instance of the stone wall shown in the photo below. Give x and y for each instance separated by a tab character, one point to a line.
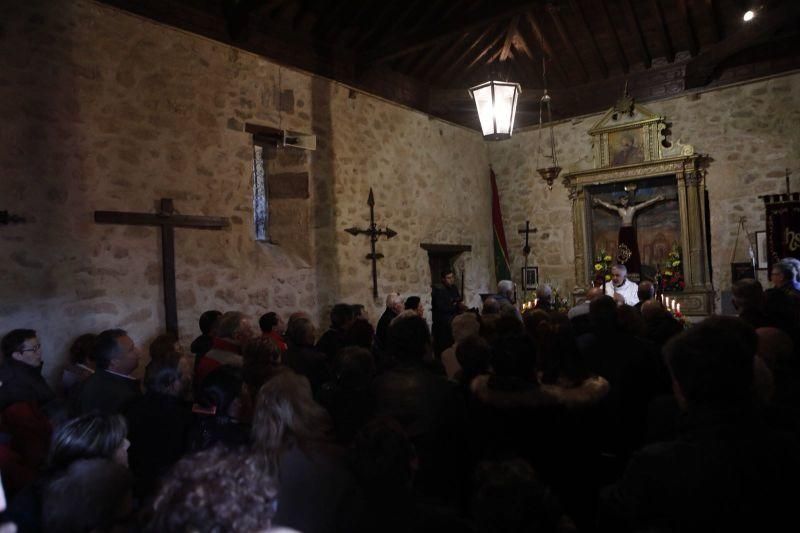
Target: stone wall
750	132
107	111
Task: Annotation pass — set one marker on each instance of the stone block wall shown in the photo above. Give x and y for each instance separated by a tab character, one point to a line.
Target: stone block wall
104	110
750	131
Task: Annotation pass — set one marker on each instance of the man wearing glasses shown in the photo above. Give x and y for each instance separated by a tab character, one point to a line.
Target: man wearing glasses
27	403
21	370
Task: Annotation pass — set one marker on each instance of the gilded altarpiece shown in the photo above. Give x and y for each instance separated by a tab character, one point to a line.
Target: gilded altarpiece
630	154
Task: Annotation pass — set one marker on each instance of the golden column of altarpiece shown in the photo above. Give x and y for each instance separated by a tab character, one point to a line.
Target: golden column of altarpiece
629	155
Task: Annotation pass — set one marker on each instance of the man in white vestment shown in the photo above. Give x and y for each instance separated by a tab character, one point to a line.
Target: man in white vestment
620	284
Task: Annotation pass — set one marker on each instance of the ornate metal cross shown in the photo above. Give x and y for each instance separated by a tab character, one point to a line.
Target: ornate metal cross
373	233
168	220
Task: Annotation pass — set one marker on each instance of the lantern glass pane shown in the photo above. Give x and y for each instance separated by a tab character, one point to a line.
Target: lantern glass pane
483	102
504	99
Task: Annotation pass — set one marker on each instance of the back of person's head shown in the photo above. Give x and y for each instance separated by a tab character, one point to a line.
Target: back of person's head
164	374
268	321
490	306
286	415
781	310
532	320
300	331
508	325
514	356
465	325
86	437
81	351
646	291
603	314
341	315
409	339
505	286
545	293
652	310
355	367
89	495
787	268
229	324
474	354
712	363
412	302
107	347
630	321
359	311
208	320
509	499
14	339
359	333
560	355
776	348
381	458
215	490
162	345
220	389
747	294
261	360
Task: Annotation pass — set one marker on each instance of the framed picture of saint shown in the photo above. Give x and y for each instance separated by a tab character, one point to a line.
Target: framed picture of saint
530	278
625	147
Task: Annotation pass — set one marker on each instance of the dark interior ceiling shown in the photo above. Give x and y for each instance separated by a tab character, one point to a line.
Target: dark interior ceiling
426	53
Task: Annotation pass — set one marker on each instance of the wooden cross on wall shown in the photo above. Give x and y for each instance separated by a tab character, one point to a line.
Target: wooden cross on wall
168	220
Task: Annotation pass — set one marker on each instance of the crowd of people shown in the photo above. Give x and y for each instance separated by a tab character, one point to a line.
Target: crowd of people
612	417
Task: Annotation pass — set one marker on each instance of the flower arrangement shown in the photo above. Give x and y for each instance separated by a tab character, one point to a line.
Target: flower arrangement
559	304
602	267
670	279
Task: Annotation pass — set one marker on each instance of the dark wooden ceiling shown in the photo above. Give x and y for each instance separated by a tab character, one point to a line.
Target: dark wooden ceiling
426	53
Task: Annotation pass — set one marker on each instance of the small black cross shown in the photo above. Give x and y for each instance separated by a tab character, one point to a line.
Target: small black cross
373	233
527	231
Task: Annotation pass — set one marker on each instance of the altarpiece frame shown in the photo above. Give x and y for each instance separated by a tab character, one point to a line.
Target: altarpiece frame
628	149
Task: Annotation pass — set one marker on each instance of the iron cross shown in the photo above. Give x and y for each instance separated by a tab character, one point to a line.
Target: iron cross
527	231
373	233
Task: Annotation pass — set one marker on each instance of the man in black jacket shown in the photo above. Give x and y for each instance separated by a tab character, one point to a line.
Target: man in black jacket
111	389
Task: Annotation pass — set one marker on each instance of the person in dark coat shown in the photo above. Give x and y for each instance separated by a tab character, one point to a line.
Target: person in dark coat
203	343
445	303
333	339
159	421
722	473
112	388
302	357
394	306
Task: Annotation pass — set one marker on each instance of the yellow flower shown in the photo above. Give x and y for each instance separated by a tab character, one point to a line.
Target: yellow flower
676	263
668	272
607	258
598	266
608	277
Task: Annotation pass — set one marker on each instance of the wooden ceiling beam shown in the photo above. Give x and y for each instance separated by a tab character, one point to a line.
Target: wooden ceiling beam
623	60
601	62
505	52
566	40
669	50
544	44
445	73
479	20
636	28
486	52
691	35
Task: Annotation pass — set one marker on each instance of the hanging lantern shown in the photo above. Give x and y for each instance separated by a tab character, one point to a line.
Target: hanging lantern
550	172
497	106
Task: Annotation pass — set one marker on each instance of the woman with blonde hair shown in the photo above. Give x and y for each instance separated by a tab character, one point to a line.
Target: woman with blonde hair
317	494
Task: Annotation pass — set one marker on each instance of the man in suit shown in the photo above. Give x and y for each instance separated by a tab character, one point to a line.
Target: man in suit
112	388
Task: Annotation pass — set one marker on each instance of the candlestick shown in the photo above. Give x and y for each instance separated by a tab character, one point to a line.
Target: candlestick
679	308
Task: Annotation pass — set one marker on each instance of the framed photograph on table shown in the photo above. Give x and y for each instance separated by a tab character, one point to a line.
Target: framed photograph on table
530	278
762	262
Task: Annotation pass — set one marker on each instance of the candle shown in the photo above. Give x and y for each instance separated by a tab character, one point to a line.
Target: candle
679	308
